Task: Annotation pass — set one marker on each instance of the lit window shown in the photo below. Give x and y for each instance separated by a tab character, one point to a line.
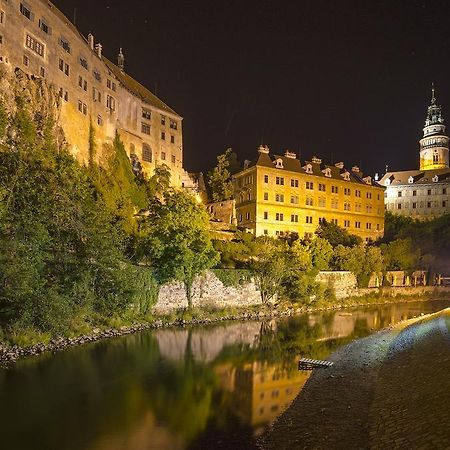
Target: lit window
64	43
172	139
26	60
163	135
146	114
43	26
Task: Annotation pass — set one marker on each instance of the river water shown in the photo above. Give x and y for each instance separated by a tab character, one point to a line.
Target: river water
208	387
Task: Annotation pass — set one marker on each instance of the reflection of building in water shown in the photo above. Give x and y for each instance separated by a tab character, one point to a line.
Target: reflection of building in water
264	391
145	433
205	344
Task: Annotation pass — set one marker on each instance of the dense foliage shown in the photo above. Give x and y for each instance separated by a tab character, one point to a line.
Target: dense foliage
220	185
73	251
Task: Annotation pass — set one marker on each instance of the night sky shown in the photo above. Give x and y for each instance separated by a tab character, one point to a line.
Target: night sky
343	80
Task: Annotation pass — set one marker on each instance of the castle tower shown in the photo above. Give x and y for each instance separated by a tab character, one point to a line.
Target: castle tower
434	149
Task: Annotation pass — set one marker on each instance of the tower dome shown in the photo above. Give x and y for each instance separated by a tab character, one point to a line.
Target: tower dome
434	149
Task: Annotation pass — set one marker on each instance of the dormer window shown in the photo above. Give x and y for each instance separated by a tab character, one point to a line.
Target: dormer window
367	180
435	179
308	168
279	163
410	180
346	176
327	172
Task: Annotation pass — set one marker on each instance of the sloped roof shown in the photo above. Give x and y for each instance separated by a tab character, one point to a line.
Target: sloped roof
419	176
137	88
295	165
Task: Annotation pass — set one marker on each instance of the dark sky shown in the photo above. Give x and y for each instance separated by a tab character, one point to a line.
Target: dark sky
343	80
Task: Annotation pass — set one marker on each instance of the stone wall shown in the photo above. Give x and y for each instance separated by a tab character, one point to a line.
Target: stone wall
208	290
342	282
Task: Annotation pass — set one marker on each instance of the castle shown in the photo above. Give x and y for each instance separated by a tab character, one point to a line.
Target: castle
94	93
423	193
278	195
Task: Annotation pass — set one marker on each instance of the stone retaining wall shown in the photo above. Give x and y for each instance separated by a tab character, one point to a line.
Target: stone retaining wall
208	290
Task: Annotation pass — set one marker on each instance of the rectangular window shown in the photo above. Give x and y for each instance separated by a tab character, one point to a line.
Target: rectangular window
163	120
66	96
64	43
108	83
294	218
173	124
163	156
42	72
294	182
66	69
145	128
346	223
429	191
414	205
84	109
85	86
334	204
309	201
25	10
146	114
346	206
322	187
266	232
309	219
357	224
2	17
346	191
279	217
368	226
309	185
322	202
99	120
163	135
266	178
279	181
428	204
266	215
369	195
174	160
80	81
114	86
172	139
97	75
110	103
335	221
26	60
334	189
444	191
34	45
80	106
399	193
43	26
83	63
266	196
444	203
294	199
279	198
247	216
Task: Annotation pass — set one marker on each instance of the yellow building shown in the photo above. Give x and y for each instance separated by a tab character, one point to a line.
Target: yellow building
278	195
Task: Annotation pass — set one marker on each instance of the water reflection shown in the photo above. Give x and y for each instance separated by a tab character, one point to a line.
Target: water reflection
204	387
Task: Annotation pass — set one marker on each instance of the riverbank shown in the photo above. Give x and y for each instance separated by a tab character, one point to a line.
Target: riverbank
389	390
10	352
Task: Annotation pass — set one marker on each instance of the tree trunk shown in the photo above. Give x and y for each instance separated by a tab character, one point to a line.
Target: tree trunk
188	288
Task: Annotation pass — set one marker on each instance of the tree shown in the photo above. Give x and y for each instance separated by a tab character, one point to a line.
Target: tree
400	255
269	265
176	242
219	178
361	260
336	235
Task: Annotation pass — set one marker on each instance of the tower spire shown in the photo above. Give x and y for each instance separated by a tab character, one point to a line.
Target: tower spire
433	98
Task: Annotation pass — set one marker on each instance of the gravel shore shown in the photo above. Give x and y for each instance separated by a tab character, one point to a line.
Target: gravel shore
390	390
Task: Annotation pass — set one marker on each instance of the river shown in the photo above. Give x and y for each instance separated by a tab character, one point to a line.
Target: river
209	387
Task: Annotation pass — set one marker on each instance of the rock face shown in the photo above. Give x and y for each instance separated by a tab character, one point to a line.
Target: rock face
208	290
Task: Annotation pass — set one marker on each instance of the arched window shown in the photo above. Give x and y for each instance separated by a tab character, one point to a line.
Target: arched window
435	158
147	153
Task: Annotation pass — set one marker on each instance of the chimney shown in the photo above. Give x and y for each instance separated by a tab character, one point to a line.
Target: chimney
121	60
377	177
263	149
339	165
290	154
355	169
316	160
98	50
91	41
